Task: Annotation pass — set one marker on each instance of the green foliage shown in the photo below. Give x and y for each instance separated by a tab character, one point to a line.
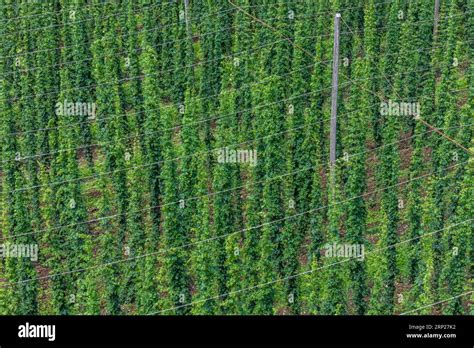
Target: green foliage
135	211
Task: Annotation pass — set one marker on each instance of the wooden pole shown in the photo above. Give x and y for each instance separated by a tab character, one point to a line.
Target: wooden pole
436	19
335	81
186	15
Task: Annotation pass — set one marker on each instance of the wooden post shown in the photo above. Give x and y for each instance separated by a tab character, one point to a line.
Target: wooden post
436	19
335	81
186	15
